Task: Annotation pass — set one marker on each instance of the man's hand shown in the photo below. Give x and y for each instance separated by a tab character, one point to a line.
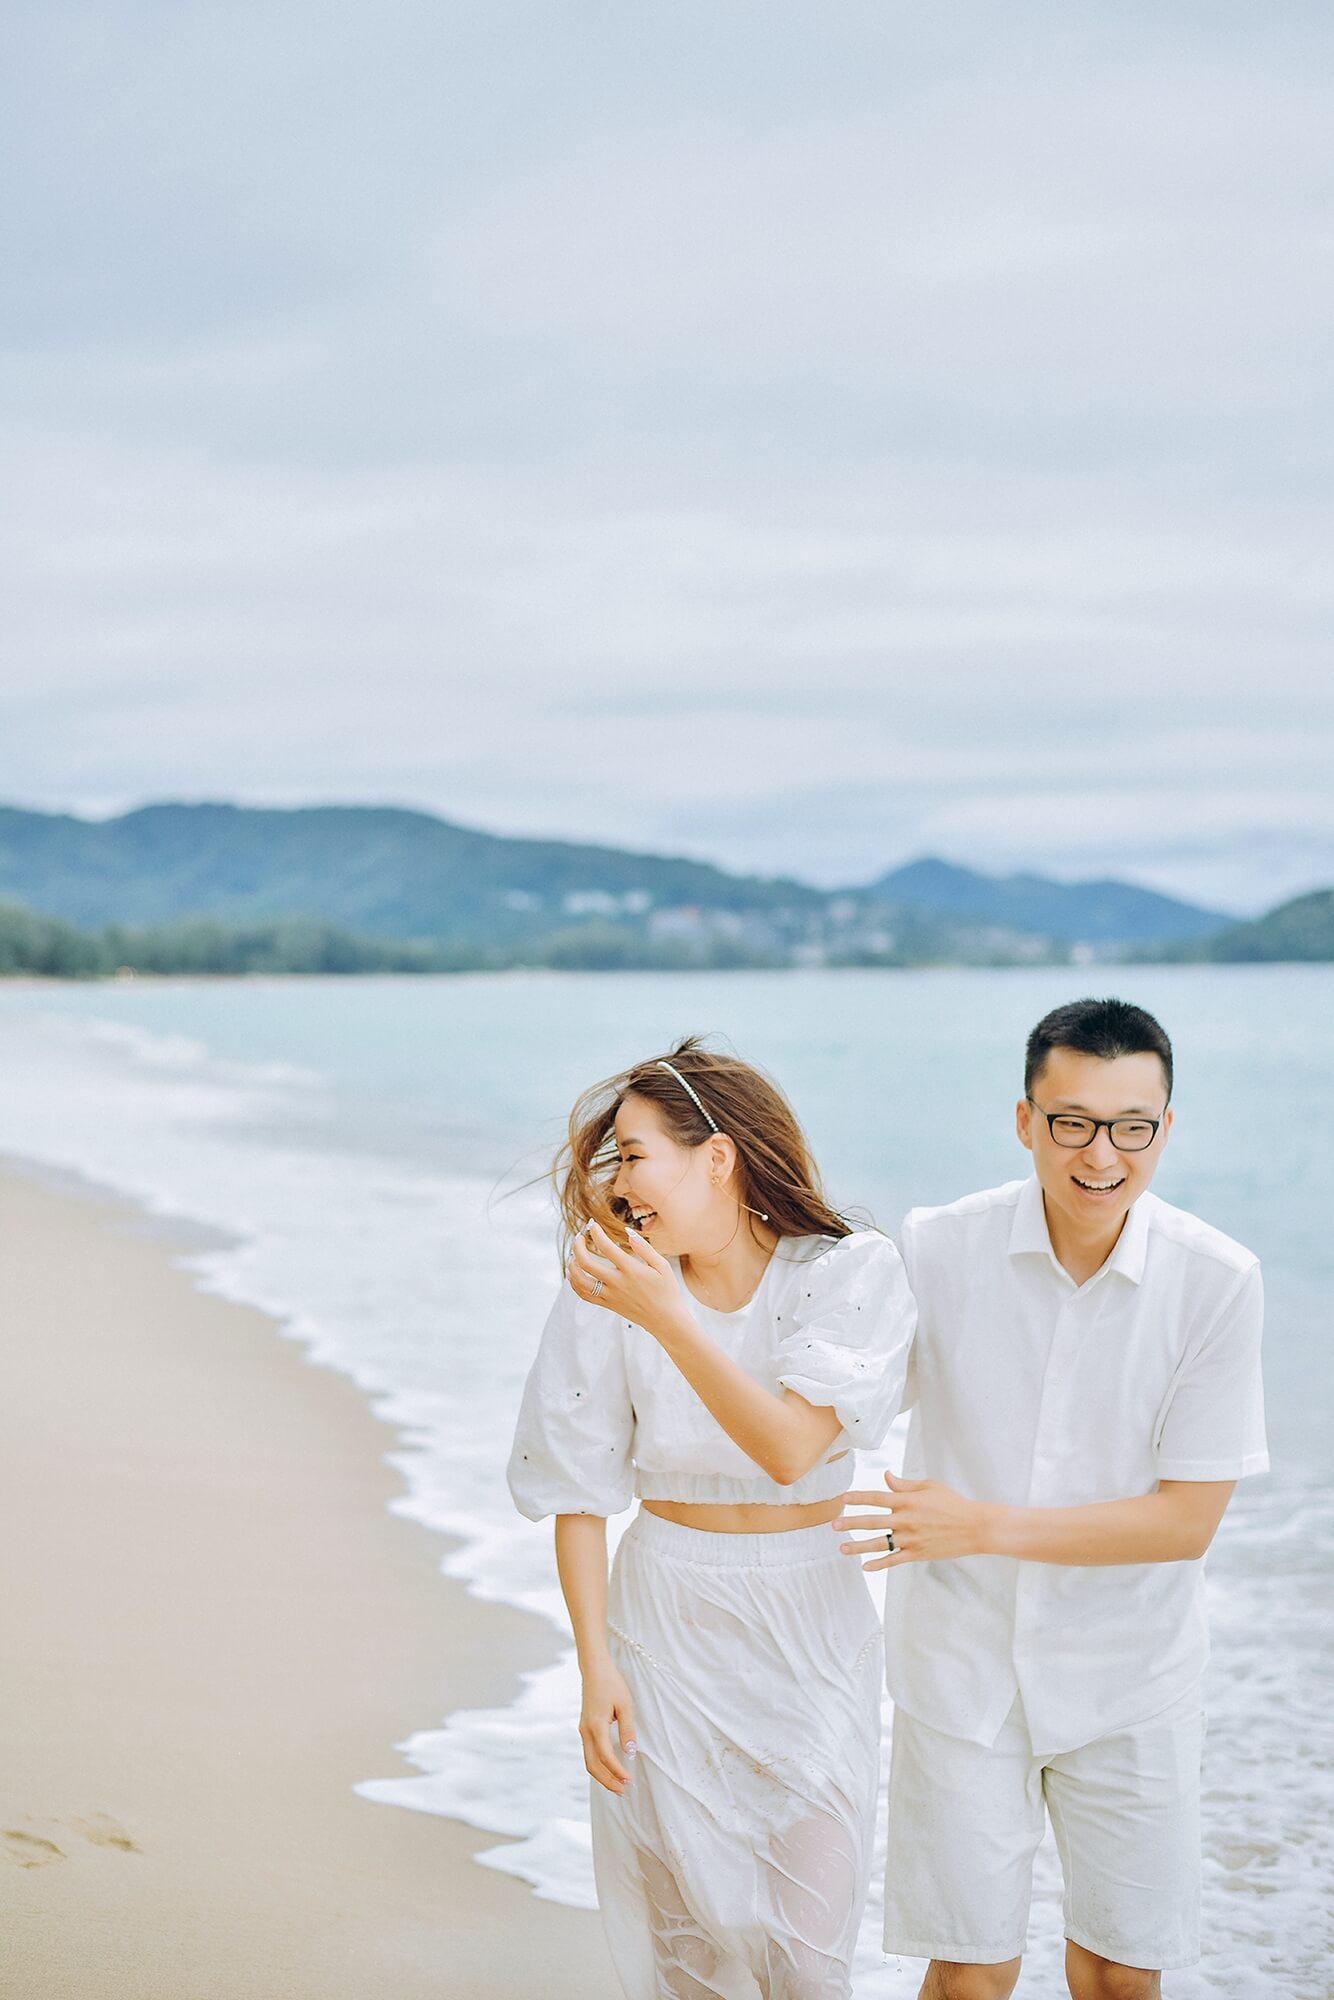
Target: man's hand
928	1523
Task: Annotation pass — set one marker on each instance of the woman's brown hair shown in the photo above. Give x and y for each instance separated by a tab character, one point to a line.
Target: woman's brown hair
775	1174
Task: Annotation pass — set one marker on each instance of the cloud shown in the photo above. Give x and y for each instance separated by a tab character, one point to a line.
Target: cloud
803	441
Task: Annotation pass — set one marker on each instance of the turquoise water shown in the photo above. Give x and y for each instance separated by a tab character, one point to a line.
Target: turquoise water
363	1142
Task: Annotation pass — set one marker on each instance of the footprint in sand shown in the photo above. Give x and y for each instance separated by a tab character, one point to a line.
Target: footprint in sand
104	1831
28	1850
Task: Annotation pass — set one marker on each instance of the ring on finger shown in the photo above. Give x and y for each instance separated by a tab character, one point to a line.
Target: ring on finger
889	1541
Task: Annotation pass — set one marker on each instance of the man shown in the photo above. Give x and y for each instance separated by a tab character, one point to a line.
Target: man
1085	1391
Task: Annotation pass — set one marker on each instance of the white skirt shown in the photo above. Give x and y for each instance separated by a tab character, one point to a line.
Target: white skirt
736	1863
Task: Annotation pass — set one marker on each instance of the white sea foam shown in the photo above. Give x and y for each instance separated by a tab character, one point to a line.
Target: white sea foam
427	1293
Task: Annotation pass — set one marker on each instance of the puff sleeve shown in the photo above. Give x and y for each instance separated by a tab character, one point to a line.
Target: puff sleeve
574	1442
853	1327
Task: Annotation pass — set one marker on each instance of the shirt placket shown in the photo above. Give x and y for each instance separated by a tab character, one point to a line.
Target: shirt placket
1031	1609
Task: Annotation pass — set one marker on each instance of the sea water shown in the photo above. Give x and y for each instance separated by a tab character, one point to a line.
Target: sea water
371	1152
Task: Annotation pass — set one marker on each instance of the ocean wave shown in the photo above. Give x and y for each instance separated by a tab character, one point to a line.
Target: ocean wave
428	1293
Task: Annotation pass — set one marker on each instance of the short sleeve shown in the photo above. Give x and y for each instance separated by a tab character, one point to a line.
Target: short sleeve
574	1442
908	1250
1213	1423
851	1333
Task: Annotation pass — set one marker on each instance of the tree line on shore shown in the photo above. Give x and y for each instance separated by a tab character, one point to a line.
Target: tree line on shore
42	947
37	946
47	947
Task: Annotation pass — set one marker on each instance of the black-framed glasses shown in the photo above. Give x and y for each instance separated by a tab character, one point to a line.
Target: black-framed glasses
1073	1130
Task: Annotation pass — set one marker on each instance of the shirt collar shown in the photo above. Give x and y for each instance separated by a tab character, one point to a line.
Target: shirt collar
1029	1235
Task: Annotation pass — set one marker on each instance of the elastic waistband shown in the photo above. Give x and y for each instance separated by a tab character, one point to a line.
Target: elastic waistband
697	1545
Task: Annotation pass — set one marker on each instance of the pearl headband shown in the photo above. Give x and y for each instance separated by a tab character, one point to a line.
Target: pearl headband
711	1123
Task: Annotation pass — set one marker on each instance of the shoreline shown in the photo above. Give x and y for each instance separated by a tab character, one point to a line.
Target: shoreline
214	1628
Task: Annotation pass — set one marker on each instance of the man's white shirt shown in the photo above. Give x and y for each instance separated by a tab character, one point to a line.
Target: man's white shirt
1029	1390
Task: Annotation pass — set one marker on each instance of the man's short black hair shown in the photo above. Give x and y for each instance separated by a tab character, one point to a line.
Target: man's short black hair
1105	1028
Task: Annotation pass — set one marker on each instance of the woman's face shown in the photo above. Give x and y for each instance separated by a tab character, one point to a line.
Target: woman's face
675	1194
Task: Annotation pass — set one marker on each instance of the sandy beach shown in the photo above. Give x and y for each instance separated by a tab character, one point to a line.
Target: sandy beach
211	1630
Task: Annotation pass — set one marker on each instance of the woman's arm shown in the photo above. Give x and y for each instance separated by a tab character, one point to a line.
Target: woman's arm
581	1563
785	1435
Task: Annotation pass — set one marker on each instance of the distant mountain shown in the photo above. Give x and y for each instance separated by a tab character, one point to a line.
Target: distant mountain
1095	913
338	886
1300	930
380	872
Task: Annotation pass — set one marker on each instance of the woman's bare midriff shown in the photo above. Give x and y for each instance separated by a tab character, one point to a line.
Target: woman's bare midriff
749	1517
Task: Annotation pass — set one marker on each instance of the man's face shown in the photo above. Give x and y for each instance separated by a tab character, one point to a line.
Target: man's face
1092	1185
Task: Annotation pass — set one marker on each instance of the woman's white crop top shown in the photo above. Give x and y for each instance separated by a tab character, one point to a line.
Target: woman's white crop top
606	1414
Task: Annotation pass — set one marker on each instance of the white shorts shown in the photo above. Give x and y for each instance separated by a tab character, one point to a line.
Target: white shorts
738	1860
965	1823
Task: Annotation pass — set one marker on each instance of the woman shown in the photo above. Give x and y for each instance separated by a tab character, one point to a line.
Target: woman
723	1338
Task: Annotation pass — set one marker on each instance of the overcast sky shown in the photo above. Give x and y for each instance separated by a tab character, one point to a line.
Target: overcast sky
801	436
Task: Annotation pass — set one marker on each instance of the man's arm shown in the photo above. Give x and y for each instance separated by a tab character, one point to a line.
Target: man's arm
931	1523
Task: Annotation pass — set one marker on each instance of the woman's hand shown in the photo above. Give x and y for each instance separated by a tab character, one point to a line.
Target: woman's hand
637	1283
607	1700
928	1523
